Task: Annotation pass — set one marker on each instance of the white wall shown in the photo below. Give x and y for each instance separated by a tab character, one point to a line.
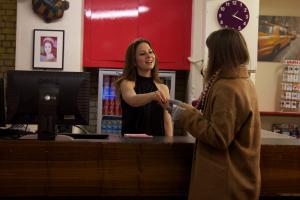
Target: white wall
71	23
197	50
204	22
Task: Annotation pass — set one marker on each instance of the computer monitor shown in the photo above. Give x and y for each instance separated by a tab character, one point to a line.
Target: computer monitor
2	103
47	98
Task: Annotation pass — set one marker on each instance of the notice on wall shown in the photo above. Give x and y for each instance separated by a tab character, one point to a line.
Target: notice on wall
290	86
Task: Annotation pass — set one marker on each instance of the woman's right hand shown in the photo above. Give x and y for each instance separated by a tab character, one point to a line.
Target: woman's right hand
160	98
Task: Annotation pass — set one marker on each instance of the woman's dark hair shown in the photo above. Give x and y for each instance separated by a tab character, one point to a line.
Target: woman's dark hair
130	68
227	49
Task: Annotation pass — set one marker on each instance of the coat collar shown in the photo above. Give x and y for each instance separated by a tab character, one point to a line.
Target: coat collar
239	72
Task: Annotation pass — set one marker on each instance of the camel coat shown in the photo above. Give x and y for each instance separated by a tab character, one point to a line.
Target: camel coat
227	150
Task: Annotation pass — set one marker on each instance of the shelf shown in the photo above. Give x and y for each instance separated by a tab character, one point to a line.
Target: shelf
111	116
288	114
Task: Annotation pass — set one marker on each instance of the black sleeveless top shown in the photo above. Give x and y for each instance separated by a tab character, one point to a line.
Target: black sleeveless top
147	119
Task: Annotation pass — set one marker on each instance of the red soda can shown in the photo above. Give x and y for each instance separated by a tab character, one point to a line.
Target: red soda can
105	107
112	106
117	107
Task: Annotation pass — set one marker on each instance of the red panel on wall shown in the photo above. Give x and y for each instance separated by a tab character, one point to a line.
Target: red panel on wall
109	26
167	24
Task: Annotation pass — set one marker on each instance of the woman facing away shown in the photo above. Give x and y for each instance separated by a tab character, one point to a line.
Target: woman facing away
225	123
143	96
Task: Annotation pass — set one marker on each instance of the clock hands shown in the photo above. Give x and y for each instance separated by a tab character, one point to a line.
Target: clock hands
237	18
234	15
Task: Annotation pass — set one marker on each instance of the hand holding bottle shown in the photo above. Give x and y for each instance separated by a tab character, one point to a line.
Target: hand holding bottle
175	108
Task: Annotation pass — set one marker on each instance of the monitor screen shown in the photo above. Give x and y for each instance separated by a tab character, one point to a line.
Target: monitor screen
47	98
2	104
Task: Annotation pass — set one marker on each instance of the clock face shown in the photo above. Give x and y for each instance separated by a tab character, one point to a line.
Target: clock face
233	14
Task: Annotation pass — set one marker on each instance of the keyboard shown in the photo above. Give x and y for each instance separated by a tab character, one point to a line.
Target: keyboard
9	133
86	136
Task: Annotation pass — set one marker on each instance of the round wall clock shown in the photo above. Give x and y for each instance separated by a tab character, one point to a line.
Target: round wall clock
233	14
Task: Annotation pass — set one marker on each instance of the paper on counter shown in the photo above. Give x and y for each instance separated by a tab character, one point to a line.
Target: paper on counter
137	135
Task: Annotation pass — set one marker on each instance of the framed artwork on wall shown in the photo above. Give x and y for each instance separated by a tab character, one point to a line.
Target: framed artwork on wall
278	38
48	49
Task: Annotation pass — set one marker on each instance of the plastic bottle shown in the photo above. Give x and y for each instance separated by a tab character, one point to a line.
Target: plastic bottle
104	127
109	126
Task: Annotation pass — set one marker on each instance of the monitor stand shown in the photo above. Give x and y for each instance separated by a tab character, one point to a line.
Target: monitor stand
48	98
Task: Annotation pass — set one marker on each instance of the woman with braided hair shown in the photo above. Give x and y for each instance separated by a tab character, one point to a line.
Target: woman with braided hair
225	123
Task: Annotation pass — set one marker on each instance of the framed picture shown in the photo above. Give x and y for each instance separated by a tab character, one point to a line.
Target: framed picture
278	38
48	49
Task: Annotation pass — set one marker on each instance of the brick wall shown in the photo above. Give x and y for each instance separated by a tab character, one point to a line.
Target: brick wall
92	127
8	10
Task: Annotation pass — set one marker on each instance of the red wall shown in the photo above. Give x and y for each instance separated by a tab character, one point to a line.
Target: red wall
109	27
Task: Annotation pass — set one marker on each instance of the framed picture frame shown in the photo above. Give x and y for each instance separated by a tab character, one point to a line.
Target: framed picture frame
48	49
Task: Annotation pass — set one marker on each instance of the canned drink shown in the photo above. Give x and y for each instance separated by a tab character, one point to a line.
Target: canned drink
117	109
111	106
105	107
120	110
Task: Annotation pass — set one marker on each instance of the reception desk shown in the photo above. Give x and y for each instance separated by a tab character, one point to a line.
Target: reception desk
115	168
280	167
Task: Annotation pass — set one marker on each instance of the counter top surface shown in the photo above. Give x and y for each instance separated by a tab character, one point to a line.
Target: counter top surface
272	138
267	138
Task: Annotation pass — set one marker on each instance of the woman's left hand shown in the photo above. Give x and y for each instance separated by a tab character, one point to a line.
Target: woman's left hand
186	106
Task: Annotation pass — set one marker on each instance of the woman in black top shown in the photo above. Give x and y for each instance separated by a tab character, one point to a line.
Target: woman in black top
143	96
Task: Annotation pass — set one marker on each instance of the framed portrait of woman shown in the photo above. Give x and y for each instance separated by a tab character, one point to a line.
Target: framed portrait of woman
48	49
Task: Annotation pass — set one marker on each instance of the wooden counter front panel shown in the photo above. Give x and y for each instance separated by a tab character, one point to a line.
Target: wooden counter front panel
280	170
146	169
123	169
40	168
23	169
73	169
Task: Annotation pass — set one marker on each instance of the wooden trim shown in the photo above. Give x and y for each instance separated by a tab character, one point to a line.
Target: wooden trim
275	113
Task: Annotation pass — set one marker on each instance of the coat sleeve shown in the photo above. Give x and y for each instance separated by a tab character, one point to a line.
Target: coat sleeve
220	126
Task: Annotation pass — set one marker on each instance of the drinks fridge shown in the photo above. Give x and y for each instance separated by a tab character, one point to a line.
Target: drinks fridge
109	114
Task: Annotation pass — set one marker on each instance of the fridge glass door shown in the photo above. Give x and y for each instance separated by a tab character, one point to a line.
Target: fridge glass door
109	114
109	108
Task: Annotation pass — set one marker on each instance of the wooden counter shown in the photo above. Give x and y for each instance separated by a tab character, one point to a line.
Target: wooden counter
121	167
280	167
118	167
